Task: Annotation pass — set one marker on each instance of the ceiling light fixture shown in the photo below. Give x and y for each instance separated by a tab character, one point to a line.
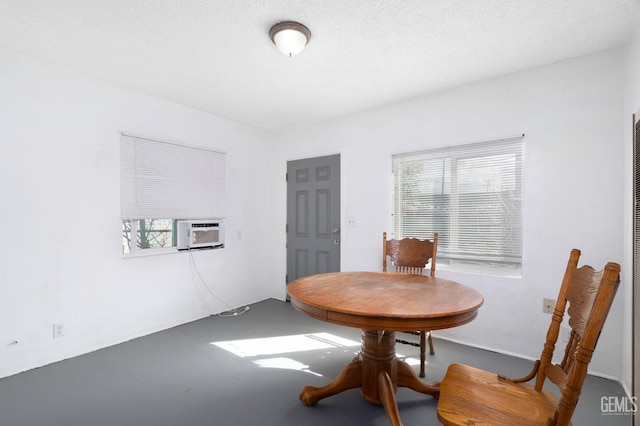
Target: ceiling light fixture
290	37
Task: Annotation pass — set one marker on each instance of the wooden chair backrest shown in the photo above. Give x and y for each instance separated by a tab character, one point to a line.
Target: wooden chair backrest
589	294
409	255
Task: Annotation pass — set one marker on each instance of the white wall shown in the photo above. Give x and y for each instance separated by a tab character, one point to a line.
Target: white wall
60	257
59	179
632	105
572	115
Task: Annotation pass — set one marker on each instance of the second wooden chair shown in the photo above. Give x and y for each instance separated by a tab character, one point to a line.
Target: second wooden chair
471	396
410	256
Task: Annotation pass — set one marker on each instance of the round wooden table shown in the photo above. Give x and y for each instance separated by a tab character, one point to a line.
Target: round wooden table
381	303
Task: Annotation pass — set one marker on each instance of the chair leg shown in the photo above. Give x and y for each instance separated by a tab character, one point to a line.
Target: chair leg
431	351
422	351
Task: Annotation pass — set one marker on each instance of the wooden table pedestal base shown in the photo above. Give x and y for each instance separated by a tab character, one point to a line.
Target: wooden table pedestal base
378	373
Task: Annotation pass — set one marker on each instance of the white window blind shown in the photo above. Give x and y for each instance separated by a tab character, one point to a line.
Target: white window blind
167	180
471	195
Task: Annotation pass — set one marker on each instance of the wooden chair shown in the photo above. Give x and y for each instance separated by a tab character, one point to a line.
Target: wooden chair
410	256
472	396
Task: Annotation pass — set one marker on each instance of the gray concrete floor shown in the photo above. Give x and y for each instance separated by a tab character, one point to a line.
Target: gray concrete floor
181	377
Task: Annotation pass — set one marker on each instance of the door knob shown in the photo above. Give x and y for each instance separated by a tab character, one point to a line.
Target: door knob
336	230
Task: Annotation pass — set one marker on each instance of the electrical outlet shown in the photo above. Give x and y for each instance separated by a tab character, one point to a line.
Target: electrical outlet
58	330
548	305
351	222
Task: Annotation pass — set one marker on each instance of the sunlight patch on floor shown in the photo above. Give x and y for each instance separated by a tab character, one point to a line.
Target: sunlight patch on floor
284	344
285	364
408	360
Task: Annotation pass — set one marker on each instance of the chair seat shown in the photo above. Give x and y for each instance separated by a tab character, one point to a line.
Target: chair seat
470	396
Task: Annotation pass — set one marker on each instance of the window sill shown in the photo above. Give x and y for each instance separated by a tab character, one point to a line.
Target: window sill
149	252
168	250
482	270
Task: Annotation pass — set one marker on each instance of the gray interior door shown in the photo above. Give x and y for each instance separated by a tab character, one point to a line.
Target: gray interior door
313	216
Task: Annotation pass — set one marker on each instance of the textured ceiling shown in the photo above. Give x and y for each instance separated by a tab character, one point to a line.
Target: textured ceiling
216	55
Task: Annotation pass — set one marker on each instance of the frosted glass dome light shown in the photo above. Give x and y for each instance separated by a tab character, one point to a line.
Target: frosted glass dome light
290	37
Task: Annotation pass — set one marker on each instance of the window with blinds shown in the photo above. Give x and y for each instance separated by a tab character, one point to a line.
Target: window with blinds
161	182
471	195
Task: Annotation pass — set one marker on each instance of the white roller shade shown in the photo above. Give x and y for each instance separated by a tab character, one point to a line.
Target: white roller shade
167	180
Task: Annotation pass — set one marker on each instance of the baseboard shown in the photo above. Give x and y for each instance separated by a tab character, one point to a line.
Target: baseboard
520	356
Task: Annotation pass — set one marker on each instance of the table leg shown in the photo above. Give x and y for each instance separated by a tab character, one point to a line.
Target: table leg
378	373
408	378
350	377
387	392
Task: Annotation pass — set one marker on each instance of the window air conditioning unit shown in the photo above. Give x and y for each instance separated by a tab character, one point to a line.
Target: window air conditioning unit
197	234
